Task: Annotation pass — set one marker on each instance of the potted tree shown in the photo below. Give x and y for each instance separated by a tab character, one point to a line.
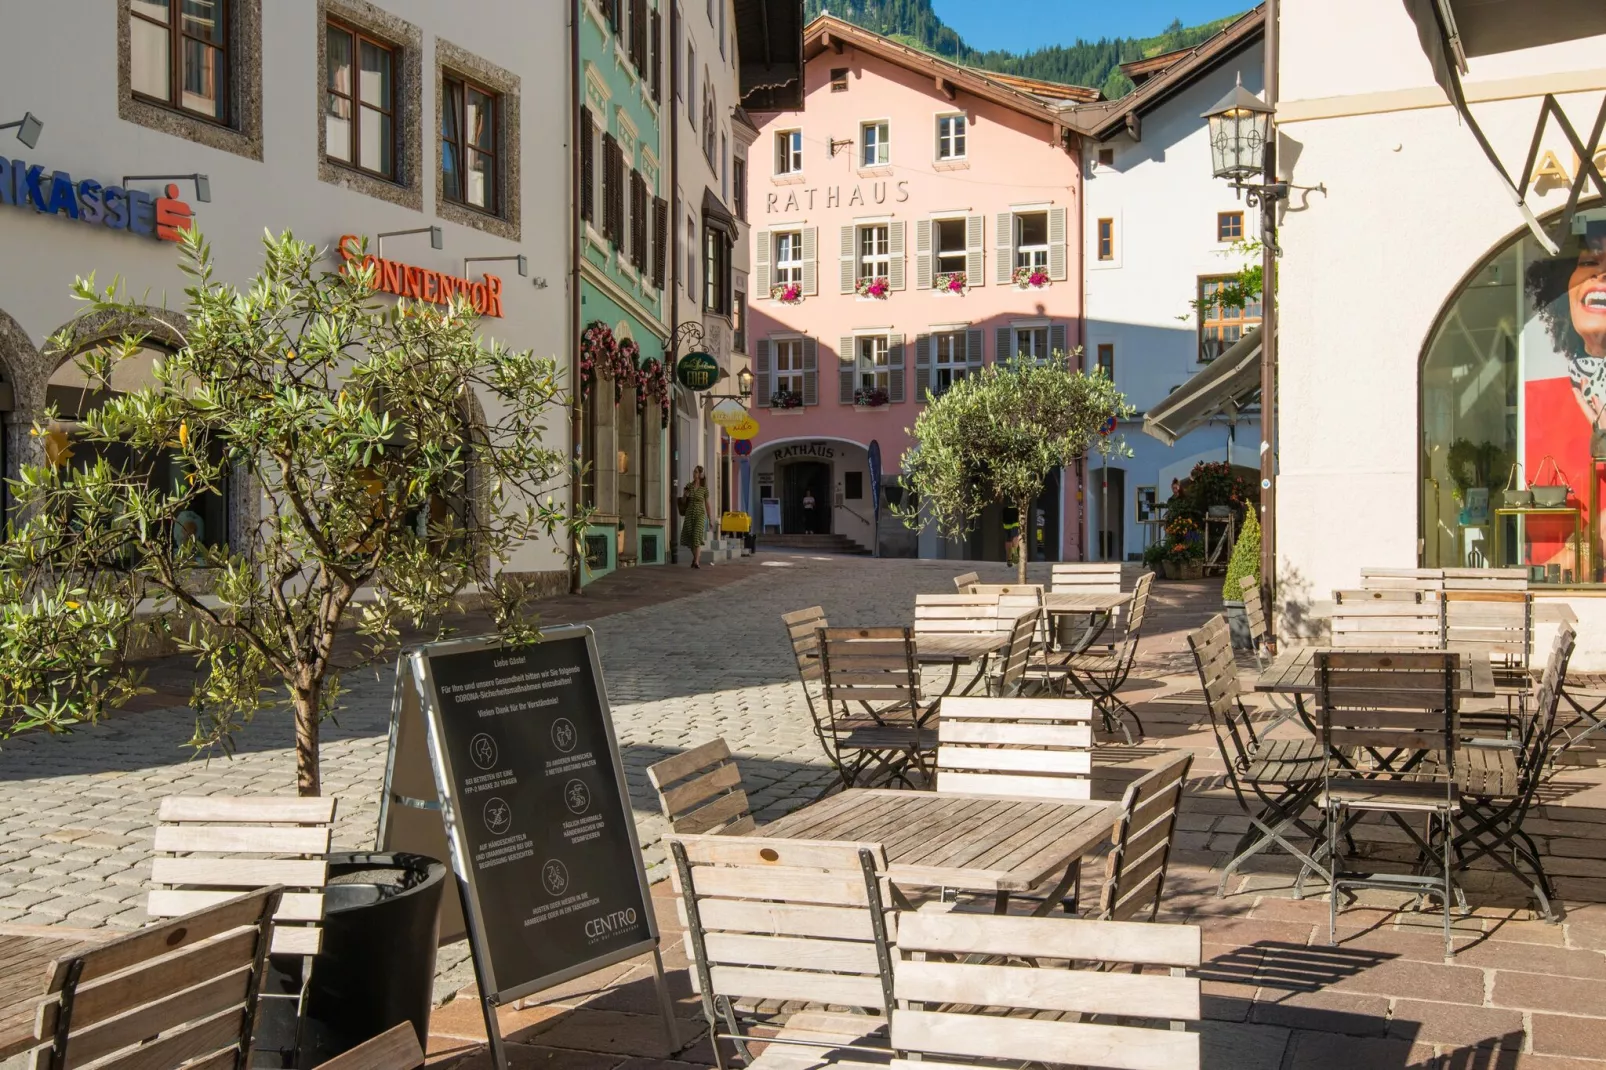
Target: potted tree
1245	561
387	461
997	437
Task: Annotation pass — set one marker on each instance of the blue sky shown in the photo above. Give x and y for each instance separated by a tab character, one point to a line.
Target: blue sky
1022	25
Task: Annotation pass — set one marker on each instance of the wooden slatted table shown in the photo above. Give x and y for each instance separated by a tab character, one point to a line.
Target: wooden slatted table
958	649
25	952
1294	672
1078	602
974	843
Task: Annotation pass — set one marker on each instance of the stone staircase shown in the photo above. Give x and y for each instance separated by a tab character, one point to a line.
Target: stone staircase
819	544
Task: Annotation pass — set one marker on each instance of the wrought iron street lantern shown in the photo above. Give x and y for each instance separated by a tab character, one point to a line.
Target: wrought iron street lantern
1240	130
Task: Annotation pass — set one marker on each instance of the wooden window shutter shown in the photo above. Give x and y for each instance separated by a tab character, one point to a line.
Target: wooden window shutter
811	373
973	354
638	220
588	167
617	179
975	252
614	12
925	368
848	360
849	256
660	240
894	367
1006	344
638	35
811	258
655	56
1057	269
761	262
1058	341
922	254
895	254
1004	239
761	373
611	161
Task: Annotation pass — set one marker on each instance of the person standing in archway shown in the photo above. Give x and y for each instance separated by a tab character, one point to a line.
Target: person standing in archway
694	515
808	512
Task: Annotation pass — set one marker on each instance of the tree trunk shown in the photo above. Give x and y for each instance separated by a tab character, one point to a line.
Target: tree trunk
306	699
1023	515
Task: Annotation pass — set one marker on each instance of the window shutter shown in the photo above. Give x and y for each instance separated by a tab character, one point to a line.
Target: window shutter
638	35
613	9
925	368
1056	245
846	359
660	240
973	354
638	220
895	265
895	367
1006	344
610	188
588	167
975	253
847	260
811	257
761	372
1004	238
655	59
1057	339
761	261
811	374
922	254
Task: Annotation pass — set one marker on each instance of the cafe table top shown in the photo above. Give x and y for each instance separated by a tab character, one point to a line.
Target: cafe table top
958	647
1294	672
976	843
1089	602
25	952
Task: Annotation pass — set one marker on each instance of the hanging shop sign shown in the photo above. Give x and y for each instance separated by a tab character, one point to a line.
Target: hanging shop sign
421	284
25	185
746	428
728	413
697	371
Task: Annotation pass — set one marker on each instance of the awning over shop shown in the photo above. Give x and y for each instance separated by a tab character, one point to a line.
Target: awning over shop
715	214
1452	31
1228	383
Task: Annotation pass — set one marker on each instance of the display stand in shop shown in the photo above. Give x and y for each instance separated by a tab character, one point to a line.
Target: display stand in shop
1573	513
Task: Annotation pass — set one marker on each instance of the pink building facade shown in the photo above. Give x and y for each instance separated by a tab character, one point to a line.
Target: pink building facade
915	221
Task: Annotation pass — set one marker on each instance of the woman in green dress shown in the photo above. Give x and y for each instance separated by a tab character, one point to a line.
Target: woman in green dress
694	515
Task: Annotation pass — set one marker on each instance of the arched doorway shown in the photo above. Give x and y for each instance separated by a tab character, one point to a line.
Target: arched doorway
1513	395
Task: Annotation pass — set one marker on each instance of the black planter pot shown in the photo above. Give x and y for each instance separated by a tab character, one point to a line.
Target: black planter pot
377	966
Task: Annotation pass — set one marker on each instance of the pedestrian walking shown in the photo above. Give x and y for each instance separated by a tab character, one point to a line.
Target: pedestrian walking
694	515
808	512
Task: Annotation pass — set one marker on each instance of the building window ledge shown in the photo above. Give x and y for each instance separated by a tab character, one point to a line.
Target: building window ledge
950	165
795	178
878	171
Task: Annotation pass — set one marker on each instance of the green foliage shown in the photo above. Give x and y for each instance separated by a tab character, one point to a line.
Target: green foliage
356	423
1211	483
1085	63
998	435
1242	287
1245	559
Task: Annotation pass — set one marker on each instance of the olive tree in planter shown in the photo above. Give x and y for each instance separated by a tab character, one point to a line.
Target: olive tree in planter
998	435
1244	563
392	460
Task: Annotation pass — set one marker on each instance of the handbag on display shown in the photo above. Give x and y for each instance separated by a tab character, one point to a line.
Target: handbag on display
1549	495
1514	495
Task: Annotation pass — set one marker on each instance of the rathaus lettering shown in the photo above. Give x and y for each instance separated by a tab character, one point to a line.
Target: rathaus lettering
804	199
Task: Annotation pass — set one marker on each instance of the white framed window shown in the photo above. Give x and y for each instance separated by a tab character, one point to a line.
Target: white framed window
692	248
788	365
951	130
1031	240
875	137
948	360
874	371
875	257
1031	340
789	152
948	241
788	257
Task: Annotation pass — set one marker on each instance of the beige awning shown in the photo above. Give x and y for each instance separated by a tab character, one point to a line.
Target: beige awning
1229	382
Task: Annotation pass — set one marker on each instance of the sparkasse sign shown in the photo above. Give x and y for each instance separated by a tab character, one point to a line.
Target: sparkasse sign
25	185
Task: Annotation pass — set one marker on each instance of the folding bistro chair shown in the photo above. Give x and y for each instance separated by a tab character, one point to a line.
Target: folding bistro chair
873	705
959	614
964	581
1498	785
1085	577
1499	624
1001	991
1585	693
787	921
1099	676
1134	876
1399	711
1274	780
700	790
1016	600
803	629
1012	670
1372	624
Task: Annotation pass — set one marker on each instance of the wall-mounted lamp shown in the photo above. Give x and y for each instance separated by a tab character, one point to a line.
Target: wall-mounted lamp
524	266
203	185
28	128
435	238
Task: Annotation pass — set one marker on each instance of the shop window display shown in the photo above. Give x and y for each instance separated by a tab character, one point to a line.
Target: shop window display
1514	412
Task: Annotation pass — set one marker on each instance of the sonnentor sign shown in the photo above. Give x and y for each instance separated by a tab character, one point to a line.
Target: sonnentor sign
25	185
421	284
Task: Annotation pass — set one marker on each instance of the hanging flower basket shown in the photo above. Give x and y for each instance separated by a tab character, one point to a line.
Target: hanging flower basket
870	399
652	381
598	351
626	368
877	287
951	282
1031	278
786	399
790	293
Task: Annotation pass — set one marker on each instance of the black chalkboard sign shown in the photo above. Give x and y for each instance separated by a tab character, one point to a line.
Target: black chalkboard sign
532	795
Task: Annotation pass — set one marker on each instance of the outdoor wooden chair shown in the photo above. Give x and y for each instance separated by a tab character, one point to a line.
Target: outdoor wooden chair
1399	711
781	921
956	614
1086	577
803	630
1403	625
964	581
1497	787
1282	710
1012	679
180	993
873	706
1498	624
700	790
1013	991
1274	780
394	1049
1485	579
1100	675
1016	600
1426	583
1134	876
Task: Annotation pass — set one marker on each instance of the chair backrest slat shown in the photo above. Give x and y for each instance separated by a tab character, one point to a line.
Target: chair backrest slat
964	581
394	1049
1017	600
1345	596
1031	747
1086	577
1427	583
1141	844
1494	622
947	614
1485	579
1372	624
870	665
1390	701
1017	656
701	791
1253	609
802	626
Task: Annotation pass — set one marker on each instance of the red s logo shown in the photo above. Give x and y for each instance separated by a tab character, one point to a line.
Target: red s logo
172	215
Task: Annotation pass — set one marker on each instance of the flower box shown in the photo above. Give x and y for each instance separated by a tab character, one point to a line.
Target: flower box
870	399
1029	278
877	288
786	399
951	282
789	293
